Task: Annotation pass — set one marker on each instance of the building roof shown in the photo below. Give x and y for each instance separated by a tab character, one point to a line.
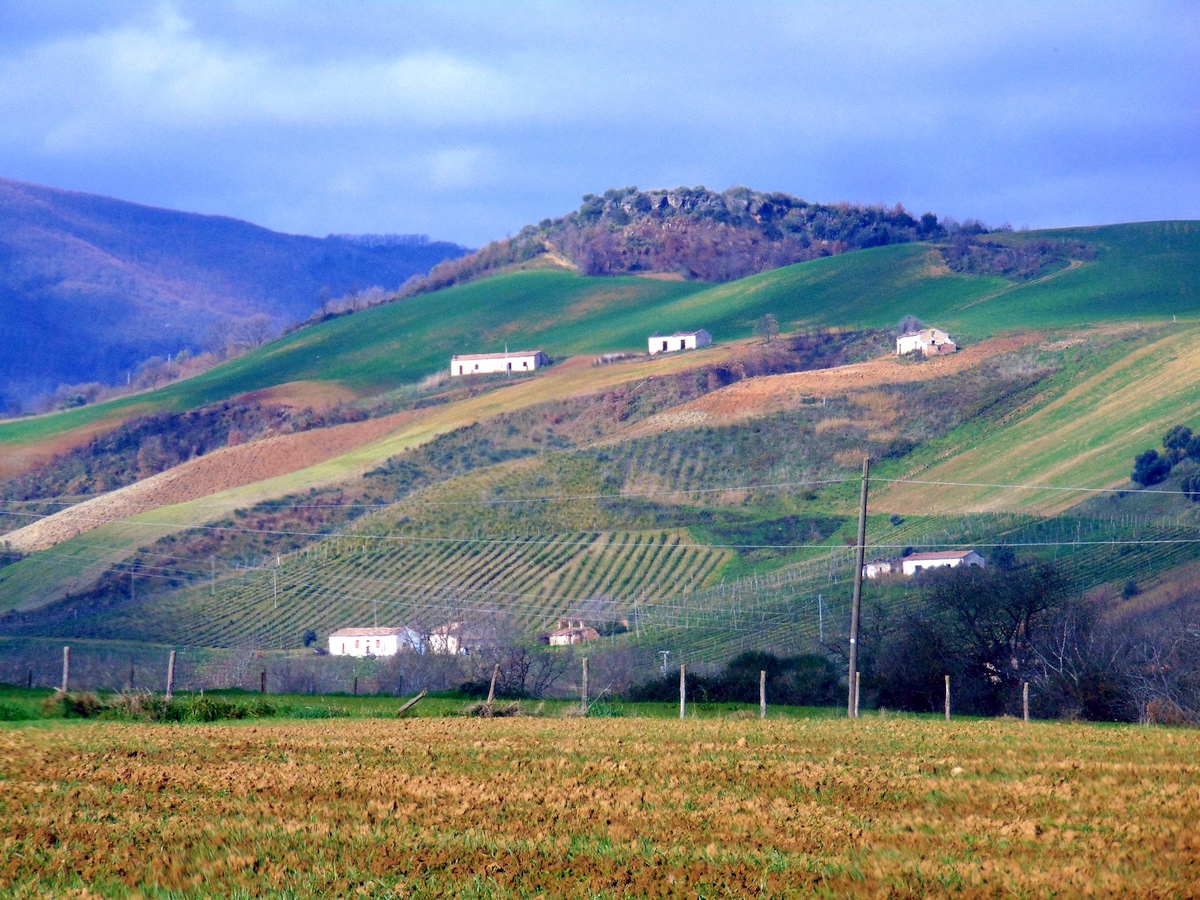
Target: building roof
507	355
949	554
369	632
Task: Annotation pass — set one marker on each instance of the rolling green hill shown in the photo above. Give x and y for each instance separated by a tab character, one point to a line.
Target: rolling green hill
1095	374
1142	273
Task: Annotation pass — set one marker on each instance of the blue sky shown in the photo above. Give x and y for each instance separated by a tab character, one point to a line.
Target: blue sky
467	121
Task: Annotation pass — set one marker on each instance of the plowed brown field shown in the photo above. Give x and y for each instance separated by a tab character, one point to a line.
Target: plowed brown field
777	393
226	468
600	808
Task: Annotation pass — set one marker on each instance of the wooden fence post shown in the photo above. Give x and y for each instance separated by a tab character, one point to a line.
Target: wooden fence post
262	683
947	698
66	679
584	692
762	694
171	676
1025	700
492	687
682	691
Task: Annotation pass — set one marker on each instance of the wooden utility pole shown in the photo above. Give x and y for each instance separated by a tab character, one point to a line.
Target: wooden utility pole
66	679
682	691
856	600
947	698
857	685
762	694
584	691
171	676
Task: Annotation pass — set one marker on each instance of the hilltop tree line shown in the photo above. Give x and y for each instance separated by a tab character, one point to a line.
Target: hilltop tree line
695	233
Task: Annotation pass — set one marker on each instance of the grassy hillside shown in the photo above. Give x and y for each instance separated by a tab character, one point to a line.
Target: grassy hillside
1145	272
1056	404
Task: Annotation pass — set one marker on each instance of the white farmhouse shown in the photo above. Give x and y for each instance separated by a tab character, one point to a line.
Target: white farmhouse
680	340
915	562
572	631
374	642
461	638
491	363
929	341
877	568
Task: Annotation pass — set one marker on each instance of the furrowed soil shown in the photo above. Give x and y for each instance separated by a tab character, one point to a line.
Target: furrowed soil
896	807
227	468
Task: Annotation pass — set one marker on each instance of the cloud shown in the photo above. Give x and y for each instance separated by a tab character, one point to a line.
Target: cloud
113	87
469	120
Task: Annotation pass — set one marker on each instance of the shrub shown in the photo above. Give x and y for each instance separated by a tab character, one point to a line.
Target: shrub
601	710
11	712
1191	487
1150	468
72	706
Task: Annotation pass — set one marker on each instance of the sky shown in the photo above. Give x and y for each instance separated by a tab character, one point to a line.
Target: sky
468	121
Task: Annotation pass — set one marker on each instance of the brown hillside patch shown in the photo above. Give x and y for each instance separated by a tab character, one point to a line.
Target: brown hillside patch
769	394
319	395
227	468
18	460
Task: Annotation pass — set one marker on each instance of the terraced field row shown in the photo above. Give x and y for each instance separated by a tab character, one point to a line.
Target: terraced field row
531	581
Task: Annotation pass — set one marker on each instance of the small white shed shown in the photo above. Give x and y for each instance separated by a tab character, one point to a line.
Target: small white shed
680	340
929	341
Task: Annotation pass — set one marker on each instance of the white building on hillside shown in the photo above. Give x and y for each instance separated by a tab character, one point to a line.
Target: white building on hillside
929	341
877	568
375	642
572	631
680	340
491	363
915	562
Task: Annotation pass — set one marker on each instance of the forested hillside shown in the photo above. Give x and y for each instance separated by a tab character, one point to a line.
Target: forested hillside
695	233
91	286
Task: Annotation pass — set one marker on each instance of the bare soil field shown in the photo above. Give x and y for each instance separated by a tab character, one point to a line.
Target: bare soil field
226	468
888	806
762	396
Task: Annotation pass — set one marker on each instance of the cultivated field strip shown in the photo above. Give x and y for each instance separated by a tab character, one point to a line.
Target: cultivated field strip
531	582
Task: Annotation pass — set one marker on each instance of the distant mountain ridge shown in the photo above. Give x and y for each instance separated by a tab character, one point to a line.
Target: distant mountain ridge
90	286
696	234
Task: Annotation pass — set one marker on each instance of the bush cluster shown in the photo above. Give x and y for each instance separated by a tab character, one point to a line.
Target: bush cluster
805	680
139	706
1151	467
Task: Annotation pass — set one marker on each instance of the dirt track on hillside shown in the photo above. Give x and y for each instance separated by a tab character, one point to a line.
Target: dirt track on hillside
756	397
219	471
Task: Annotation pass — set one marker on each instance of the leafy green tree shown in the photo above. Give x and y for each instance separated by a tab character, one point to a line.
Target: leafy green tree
1176	442
1150	468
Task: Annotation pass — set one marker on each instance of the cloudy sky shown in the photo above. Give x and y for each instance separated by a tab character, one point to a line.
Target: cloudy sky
466	121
